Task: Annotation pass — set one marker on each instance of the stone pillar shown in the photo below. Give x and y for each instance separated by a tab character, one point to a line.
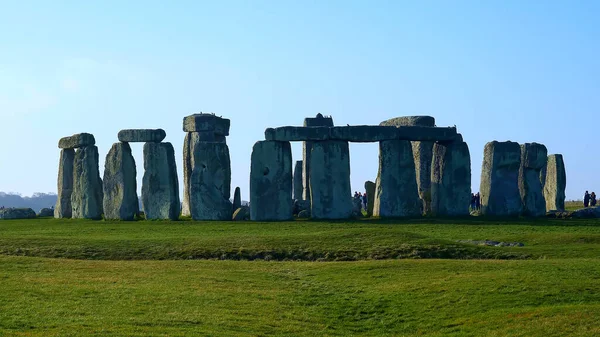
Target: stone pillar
396	193
331	195
319	120
533	159
422	153
237	199
499	188
86	198
370	188
555	183
451	179
119	186
65	184
160	186
271	181
298	187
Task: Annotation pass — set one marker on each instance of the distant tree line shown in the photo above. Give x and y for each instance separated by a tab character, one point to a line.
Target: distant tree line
36	202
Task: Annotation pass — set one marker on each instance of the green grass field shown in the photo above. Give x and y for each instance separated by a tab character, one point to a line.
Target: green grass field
302	278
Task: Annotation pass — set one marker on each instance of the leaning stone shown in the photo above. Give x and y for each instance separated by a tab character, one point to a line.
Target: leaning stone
63	208
370	190
451	179
298	189
46	212
533	159
396	192
499	188
331	195
210	182
142	135
410	121
237	198
271	181
206	122
87	195
555	183
160	187
241	214
17	213
119	184
76	141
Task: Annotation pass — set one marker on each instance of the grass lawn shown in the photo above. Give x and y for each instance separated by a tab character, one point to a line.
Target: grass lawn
396	278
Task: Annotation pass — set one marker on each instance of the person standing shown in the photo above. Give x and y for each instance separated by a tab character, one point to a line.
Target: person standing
364	200
593	199
477	201
586	199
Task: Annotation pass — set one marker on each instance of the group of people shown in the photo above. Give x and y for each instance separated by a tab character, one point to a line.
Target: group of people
362	197
589	199
475	202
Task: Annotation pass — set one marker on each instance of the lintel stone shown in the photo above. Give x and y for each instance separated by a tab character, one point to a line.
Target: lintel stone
206	122
142	135
77	141
362	133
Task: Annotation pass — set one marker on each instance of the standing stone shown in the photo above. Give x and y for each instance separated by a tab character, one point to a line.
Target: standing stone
370	188
331	195
210	182
499	188
451	179
271	181
298	185
396	193
533	159
555	184
63	207
160	187
422	153
86	199
119	184
319	120
237	198
191	139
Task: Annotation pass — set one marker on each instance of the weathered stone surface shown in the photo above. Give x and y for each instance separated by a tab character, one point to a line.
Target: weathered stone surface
370	188
301	205
362	133
142	135
298	188
206	122
318	121
77	141
533	159
210	182
331	195
46	212
396	193
237	198
119	184
588	212
63	207
357	207
499	187
17	213
451	179
271	181
210	137
189	144
297	133
305	214
410	121
556	182
160	186
87	195
241	214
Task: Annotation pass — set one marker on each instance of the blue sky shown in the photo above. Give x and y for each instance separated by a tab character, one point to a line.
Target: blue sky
499	70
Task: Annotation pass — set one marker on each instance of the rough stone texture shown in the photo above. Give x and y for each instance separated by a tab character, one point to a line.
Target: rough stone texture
555	183
206	122
77	141
451	179
142	135
370	188
588	212
298	188
318	121
297	133
363	133
360	133
241	214
119	184
305	214
301	205
63	207
331	195
237	198
210	182
160	186
87	195
46	212
533	159
357	207
499	187
17	213
271	181
396	193
410	121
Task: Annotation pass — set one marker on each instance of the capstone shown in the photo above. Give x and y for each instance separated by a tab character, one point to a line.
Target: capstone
206	122
77	141
142	135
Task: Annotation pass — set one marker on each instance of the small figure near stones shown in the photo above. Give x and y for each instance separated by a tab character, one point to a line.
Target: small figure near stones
364	200
473	204
593	199
586	199
477	201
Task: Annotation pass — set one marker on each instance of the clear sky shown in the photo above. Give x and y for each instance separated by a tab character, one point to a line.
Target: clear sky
526	71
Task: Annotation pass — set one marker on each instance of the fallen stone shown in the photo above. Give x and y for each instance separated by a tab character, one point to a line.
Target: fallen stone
46	212
237	198
555	183
63	208
142	135
331	194
298	188
493	243
87	196
241	214
370	190
119	184
588	212
396	193
410	121
160	186
271	181
76	141
17	213
206	122
451	180
499	188
533	159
